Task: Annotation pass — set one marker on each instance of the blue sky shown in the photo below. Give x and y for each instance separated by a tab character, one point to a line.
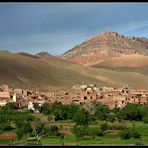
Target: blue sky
58	27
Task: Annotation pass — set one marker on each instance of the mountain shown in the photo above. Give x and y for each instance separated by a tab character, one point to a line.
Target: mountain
43	54
27	54
106	45
28	72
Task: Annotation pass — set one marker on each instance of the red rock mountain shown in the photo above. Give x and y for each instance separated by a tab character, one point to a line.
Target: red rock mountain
106	45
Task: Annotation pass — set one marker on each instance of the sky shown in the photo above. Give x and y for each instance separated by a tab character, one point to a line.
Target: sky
58	27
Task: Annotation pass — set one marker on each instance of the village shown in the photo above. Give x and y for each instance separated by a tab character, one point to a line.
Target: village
80	94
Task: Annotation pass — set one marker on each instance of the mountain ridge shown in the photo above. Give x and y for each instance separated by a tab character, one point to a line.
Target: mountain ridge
105	45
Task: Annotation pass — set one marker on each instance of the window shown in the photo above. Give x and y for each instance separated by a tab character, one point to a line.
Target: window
85	97
91	97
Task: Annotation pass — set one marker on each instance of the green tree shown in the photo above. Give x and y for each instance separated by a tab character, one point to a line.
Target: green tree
46	108
79	132
130	112
10	106
99	110
71	110
81	117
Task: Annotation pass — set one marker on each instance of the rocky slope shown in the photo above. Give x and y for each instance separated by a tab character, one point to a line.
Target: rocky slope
104	46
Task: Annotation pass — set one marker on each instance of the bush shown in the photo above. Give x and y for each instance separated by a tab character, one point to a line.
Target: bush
51	118
116	127
145	119
92	132
79	132
19	134
54	130
111	118
103	126
125	134
136	135
100	133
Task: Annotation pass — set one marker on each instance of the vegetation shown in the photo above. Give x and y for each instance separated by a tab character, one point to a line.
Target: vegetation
128	123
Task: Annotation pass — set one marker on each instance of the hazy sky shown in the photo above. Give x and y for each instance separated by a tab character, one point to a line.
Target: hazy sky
57	27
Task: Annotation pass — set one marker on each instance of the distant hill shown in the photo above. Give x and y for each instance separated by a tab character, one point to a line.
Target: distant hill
24	71
101	47
132	60
27	54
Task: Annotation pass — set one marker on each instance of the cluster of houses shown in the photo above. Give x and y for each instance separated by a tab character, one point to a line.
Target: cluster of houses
83	95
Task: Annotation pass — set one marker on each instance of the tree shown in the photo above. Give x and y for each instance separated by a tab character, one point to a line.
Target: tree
130	112
99	110
23	128
39	127
60	112
46	108
79	132
81	117
10	106
144	111
71	110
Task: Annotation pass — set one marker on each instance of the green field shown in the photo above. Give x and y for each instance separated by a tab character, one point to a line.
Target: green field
107	139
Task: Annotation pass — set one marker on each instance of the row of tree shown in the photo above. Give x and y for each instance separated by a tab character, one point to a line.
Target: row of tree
83	115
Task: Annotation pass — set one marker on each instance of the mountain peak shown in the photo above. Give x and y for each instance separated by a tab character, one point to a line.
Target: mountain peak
43	54
104	35
104	45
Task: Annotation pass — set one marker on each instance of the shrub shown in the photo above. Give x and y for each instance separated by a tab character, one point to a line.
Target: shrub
51	118
125	134
145	119
111	118
103	126
100	133
79	132
54	130
116	127
136	135
92	132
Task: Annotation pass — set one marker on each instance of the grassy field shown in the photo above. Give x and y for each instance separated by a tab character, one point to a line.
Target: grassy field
111	138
